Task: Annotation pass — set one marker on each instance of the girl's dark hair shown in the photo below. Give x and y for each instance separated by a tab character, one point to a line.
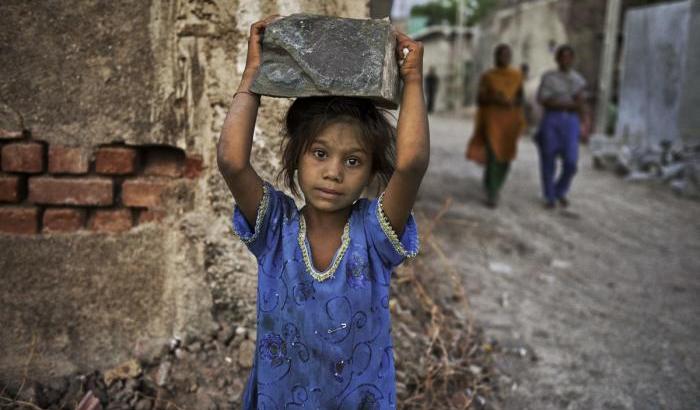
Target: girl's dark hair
308	116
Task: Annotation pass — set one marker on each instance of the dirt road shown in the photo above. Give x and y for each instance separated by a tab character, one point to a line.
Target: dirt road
596	309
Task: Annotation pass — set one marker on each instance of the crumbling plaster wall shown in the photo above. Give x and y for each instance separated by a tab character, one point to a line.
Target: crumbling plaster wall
136	73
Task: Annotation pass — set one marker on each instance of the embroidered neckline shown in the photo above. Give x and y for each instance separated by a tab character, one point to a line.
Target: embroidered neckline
306	253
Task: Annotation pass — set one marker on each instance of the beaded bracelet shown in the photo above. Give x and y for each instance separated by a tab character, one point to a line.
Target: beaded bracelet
257	96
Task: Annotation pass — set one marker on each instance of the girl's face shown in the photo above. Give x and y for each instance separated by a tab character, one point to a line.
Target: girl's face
335	169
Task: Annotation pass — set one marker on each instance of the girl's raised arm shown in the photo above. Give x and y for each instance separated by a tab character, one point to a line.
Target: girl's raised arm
413	137
236	140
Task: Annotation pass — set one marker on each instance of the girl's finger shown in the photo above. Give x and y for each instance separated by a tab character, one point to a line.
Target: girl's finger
260	25
271	18
401	36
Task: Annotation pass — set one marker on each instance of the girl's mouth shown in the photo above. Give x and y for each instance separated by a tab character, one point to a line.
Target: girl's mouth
328	192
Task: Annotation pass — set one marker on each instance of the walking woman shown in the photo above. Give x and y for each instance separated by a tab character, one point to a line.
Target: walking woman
561	93
499	122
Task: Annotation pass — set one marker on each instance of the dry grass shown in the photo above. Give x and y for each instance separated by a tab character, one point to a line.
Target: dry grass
441	360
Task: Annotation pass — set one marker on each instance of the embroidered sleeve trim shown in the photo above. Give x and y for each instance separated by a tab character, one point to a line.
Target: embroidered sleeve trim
262	211
391	234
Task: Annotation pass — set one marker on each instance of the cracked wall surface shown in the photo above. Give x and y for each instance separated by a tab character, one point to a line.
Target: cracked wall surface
142	74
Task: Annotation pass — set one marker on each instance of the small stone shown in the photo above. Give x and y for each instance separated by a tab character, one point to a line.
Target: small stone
500	267
226	334
132	384
560	264
236	389
309	55
117	405
174	343
205	401
126	370
163	373
115	387
245	354
181	354
74	392
214	330
143	404
221	383
195	347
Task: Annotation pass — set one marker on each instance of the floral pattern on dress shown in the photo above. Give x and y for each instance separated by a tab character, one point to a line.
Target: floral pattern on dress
323	344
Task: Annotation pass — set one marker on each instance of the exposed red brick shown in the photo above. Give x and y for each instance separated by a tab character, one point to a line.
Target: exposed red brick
194	166
11	188
112	220
27	157
63	219
116	160
71	191
143	193
151	215
165	162
16	220
68	160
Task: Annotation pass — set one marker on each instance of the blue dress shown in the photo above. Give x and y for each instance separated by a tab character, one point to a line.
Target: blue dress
323	344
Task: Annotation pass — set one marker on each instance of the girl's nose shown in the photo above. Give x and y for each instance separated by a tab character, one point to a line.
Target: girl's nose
333	171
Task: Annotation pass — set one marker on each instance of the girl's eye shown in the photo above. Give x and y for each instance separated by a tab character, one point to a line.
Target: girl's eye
352	162
319	153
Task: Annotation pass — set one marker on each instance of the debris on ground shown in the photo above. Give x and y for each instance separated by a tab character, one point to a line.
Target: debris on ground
679	167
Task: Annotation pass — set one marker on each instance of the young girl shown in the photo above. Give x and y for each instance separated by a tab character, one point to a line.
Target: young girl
323	329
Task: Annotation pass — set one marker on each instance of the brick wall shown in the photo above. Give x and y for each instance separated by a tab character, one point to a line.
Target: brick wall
48	188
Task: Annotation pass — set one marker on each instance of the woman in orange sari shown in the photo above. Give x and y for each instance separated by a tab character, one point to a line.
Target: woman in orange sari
499	122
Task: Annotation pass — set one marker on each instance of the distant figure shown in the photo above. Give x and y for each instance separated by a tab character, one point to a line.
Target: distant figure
561	93
431	86
499	122
525	69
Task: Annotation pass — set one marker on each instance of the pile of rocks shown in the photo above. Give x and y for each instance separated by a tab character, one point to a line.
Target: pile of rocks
678	167
208	373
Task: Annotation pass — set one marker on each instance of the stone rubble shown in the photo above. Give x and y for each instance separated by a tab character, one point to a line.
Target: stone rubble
679	167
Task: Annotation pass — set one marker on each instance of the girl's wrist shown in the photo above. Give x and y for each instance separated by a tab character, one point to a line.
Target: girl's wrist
247	79
249	93
416	79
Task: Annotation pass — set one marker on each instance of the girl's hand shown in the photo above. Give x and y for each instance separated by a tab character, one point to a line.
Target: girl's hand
411	62
257	29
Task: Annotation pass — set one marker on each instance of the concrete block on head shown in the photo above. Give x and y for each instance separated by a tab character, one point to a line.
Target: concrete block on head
307	55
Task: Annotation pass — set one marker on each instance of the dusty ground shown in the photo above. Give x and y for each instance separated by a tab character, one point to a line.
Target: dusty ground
598	308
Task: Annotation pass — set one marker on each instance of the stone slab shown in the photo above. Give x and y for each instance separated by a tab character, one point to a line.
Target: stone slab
652	83
689	120
308	55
